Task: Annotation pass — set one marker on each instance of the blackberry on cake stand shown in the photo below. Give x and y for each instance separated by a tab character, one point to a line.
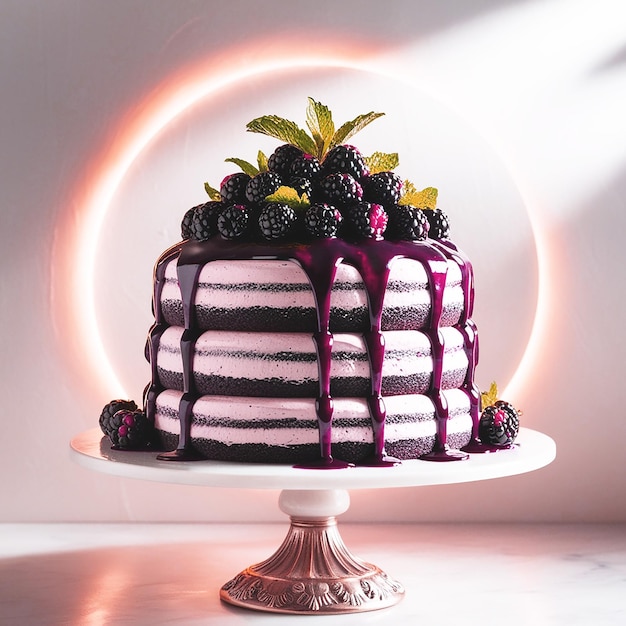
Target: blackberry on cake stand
313	572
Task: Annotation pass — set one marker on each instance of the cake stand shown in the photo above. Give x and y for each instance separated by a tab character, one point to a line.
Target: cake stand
313	572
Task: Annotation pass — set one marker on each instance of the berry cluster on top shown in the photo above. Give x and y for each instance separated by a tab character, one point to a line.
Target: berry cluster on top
316	186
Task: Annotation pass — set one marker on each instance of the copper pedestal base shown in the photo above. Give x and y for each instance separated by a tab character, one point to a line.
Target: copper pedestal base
312	572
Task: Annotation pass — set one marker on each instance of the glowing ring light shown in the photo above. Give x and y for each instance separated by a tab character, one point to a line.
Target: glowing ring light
143	129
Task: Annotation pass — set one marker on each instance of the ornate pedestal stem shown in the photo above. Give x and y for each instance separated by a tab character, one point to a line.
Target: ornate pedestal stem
312	572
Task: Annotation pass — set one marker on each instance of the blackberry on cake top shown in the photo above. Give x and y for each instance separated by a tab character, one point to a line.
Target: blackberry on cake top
346	160
203	222
366	220
323	220
382	187
340	189
281	159
276	220
234	221
233	188
407	223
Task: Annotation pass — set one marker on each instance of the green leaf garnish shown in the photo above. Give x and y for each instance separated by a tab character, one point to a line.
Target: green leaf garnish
284	130
424	199
261	160
488	398
320	123
288	195
350	129
248	168
319	120
213	193
382	162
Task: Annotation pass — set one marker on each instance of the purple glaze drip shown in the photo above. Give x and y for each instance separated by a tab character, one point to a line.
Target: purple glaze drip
157	329
470	335
319	261
188	282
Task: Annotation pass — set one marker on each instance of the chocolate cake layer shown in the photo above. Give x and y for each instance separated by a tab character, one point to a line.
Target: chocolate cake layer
285	364
275	296
278	430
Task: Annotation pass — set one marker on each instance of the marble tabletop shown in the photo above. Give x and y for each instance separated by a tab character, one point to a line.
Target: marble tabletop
470	574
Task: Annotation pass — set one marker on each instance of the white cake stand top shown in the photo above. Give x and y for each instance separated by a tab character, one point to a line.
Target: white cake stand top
533	451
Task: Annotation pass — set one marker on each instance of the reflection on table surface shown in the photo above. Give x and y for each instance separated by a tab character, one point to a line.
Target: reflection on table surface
94	574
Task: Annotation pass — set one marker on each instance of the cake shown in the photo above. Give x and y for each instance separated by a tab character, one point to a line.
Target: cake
315	313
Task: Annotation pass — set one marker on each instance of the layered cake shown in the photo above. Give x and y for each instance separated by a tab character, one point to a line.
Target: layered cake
316	313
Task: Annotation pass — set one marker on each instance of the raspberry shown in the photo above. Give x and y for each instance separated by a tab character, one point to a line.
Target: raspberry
233	222
280	160
276	220
305	166
438	225
382	188
340	190
322	220
233	188
204	220
366	219
262	185
406	223
499	424
345	159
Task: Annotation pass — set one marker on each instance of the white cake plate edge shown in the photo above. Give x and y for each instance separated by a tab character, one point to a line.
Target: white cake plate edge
533	450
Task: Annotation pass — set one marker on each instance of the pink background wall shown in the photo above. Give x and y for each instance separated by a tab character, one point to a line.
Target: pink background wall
115	113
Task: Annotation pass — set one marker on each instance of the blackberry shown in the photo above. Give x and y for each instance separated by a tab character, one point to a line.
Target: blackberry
301	185
366	219
305	166
204	220
407	223
280	160
322	220
438	225
185	225
340	190
262	185
233	188
276	220
130	430
345	159
499	424
382	188
234	221
106	416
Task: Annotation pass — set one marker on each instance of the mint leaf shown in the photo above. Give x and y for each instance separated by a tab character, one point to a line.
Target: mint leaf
349	129
424	199
288	195
246	167
261	160
213	193
319	120
382	162
490	397
284	130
